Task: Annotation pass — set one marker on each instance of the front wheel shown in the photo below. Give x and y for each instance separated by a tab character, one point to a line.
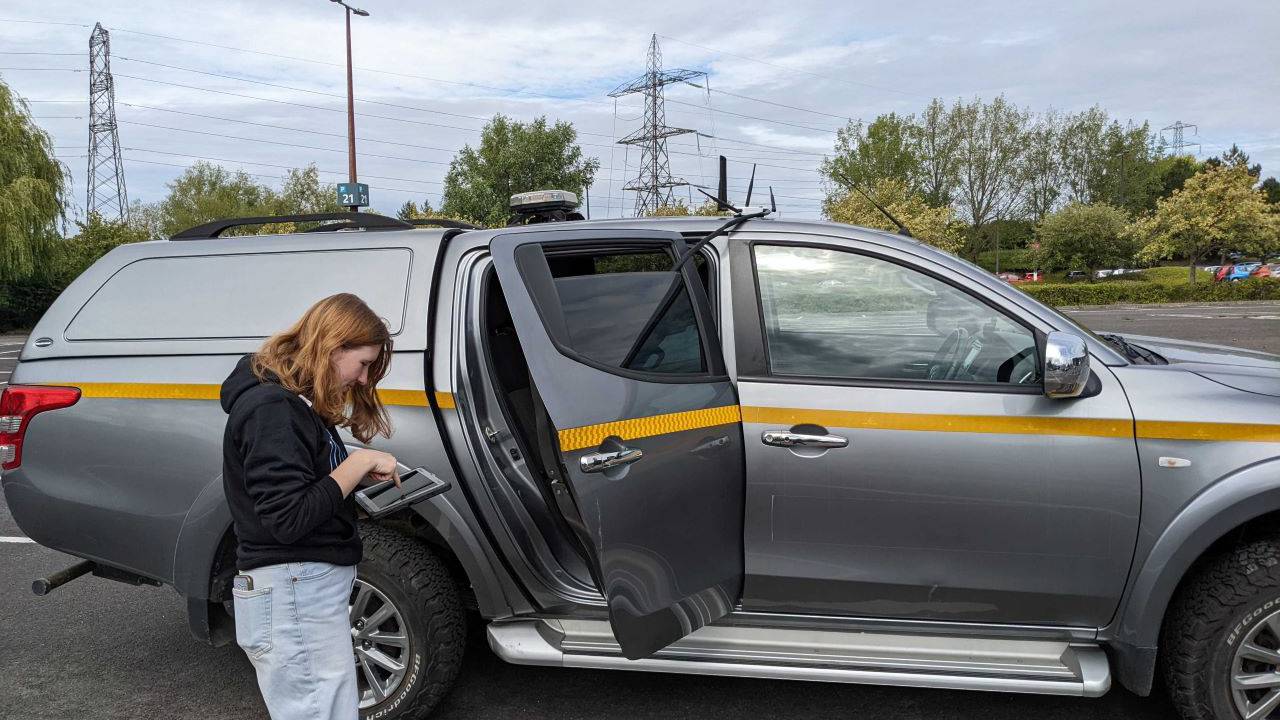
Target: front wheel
407	627
1221	642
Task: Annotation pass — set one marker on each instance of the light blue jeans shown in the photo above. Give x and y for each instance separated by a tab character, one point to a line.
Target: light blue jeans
295	628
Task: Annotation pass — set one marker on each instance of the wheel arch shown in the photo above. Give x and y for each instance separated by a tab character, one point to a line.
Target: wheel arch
1240	505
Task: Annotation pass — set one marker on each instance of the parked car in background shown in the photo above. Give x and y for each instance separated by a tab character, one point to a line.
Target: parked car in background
1222	273
1242	271
1076	275
1032	277
1263	271
1275	270
1009	277
1102	273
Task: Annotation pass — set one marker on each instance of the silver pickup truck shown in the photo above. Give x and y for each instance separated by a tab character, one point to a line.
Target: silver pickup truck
799	450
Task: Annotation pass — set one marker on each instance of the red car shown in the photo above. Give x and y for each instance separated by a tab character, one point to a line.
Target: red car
1264	271
1222	273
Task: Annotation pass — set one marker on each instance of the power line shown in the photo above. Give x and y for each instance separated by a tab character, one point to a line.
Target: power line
271	165
286	127
277	142
796	70
275	177
760	119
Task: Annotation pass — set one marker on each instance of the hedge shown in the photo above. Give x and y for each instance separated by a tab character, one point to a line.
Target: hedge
22	304
1057	294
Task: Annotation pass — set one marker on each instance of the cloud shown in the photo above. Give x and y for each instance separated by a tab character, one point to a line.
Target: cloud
435	74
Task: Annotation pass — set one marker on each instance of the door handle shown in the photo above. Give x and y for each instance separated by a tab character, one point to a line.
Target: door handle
786	438
601	461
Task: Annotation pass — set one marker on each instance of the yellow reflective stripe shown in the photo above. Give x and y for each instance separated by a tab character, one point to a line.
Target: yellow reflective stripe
194	391
634	428
445	401
1222	432
925	422
147	391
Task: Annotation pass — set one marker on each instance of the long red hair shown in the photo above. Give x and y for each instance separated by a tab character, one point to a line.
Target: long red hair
300	358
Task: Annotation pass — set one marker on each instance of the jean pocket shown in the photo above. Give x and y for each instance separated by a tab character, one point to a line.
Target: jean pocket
313	570
253	620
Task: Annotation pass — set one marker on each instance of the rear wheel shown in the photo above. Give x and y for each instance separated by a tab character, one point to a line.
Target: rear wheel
407	626
1221	642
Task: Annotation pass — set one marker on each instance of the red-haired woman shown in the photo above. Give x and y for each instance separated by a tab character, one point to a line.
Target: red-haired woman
287	478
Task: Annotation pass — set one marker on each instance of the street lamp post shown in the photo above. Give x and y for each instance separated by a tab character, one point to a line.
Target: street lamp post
351	108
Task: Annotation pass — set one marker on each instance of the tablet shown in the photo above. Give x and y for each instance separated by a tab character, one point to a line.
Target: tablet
385	498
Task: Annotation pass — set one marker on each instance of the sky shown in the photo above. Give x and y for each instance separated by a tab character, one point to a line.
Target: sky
260	86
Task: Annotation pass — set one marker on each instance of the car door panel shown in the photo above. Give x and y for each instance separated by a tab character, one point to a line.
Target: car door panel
664	532
951	501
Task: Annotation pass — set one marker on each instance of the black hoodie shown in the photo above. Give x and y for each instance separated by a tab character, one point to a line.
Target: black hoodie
276	460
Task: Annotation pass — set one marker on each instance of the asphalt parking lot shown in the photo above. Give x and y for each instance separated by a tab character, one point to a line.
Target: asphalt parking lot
98	649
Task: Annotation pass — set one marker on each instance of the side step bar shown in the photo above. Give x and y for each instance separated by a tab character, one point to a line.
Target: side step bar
1051	667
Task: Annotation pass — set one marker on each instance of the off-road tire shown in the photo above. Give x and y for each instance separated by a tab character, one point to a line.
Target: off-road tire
419	584
1208	620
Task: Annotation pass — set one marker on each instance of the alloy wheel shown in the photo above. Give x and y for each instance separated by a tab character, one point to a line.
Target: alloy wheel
380	642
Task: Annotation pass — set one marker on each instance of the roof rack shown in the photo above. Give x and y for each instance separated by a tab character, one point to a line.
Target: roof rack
444	223
364	221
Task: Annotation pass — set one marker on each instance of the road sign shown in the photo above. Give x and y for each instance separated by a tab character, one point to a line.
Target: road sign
353	194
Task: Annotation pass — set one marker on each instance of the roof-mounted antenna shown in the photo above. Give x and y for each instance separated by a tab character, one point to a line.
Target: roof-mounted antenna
721	198
902	229
750	185
722	190
773	204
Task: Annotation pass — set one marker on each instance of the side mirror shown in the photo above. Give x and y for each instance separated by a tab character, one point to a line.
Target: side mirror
1066	365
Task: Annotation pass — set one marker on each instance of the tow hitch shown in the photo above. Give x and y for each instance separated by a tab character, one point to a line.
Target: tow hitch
45	585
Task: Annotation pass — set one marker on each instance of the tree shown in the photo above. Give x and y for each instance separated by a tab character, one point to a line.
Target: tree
32	190
302	193
205	192
1104	161
1237	158
934	225
513	157
1173	171
679	209
938	147
1271	188
1085	236
1217	209
96	237
992	142
885	149
1042	167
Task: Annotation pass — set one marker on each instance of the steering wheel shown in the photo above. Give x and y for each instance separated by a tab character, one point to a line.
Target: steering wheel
1005	373
948	355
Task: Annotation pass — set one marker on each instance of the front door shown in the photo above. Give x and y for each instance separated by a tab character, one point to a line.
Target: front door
645	442
902	459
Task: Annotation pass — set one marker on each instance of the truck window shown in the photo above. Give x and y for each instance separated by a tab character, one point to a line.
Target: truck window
836	314
626	310
246	295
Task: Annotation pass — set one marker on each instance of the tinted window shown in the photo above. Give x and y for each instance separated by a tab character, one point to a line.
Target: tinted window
237	296
628	310
838	314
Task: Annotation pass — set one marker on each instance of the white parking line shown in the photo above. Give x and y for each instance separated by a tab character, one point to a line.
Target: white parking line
16	540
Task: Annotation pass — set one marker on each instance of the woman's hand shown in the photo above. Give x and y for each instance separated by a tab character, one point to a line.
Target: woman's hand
373	463
383	466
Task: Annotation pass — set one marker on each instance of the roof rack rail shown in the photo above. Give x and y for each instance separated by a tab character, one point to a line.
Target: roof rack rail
365	221
444	223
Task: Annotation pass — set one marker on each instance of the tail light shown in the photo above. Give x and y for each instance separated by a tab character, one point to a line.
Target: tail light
18	404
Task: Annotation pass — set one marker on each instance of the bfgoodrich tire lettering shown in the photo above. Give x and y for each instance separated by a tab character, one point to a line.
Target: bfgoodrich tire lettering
1221	639
418	584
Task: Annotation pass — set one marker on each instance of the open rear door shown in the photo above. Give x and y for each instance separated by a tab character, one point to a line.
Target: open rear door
625	357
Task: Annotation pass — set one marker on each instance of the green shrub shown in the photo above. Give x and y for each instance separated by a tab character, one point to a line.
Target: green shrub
22	304
1013	260
1152	292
